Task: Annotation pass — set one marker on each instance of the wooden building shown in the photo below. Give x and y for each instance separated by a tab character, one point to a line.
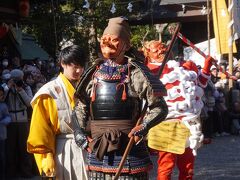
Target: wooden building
11	13
191	13
12	41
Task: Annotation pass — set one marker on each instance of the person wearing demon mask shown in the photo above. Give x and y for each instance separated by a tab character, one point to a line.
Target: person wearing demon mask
177	139
110	97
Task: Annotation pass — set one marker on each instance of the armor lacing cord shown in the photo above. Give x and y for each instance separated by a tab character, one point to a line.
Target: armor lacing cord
93	93
93	96
124	93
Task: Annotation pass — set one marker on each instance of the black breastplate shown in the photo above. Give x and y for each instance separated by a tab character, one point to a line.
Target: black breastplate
110	102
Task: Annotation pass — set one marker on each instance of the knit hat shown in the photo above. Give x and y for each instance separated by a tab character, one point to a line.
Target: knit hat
118	26
6	74
17	74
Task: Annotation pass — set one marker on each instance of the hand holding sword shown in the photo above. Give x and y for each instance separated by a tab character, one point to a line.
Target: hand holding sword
81	138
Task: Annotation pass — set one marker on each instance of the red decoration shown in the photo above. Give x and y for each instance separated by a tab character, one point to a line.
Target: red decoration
3	30
24	8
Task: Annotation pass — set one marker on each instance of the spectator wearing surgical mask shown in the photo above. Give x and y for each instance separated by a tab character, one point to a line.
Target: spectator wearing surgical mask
18	96
5	64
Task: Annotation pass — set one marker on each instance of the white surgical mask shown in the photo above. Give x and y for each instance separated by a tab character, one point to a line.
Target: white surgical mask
5	63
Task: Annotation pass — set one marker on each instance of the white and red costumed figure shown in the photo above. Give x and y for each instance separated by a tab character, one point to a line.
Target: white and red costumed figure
177	139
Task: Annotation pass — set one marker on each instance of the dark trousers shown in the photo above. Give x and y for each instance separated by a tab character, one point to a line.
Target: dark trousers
19	161
226	121
222	122
2	159
208	124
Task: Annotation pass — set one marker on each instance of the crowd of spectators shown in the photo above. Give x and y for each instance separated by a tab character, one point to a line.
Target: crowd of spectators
20	80
221	113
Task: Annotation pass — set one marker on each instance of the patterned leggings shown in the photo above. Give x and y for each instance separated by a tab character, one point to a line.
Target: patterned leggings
93	175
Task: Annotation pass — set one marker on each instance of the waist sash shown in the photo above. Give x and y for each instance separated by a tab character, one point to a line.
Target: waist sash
107	135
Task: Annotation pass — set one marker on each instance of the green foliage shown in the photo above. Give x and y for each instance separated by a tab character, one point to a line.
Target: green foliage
141	34
66	8
55	21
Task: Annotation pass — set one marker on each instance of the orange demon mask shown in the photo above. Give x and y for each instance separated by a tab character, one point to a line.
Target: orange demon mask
154	51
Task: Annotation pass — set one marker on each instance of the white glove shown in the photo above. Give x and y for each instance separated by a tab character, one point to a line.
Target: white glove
196	137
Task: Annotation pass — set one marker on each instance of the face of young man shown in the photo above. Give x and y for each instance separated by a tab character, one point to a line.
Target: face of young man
112	47
72	71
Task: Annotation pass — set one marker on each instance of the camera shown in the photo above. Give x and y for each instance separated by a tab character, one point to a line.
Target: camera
18	82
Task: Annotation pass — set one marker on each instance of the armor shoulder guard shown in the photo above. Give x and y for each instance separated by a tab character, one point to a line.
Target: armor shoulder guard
87	75
157	86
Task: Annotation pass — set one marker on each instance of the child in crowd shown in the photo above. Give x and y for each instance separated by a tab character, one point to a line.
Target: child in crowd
5	119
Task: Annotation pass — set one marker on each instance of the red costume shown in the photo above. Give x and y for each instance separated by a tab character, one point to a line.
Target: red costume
180	136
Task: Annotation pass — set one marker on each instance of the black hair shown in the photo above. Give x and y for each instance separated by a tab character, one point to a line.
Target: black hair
72	54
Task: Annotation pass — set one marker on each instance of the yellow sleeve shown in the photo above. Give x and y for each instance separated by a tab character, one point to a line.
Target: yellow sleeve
43	129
